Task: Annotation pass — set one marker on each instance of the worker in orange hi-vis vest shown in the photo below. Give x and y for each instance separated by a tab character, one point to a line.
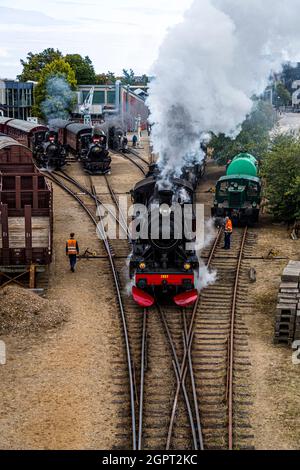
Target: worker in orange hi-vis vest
228	233
72	250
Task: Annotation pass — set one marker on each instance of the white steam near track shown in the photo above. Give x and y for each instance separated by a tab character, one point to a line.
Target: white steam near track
210	65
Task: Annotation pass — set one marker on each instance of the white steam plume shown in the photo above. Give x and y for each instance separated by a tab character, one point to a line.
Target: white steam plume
210	65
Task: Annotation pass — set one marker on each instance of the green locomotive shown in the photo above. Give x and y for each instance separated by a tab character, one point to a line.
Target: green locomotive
238	194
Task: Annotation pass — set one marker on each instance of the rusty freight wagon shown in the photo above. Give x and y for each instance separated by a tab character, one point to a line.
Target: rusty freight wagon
26	217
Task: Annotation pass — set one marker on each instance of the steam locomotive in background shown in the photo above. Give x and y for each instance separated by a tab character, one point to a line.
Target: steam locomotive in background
50	153
117	139
50	145
87	144
164	264
42	141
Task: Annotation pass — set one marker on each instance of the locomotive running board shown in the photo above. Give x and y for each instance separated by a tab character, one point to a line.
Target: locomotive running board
142	298
186	299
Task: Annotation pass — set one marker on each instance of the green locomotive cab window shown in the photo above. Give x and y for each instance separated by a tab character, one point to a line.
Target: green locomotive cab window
252	189
223	188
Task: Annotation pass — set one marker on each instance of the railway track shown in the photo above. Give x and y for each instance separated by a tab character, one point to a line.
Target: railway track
135	159
206	348
185	371
220	348
136	154
163	347
139	328
60	180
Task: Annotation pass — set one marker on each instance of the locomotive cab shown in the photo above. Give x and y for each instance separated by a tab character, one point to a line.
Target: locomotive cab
239	197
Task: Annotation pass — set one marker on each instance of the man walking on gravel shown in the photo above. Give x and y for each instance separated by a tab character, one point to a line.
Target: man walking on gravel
72	250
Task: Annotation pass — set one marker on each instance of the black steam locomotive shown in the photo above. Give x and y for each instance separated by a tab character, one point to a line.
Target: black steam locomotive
164	262
117	139
50	153
95	157
87	144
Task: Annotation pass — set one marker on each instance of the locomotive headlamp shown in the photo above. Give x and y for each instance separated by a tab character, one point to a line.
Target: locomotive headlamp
165	210
142	266
187	266
254	204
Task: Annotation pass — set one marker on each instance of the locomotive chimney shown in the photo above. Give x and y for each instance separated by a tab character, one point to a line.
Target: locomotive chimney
165	197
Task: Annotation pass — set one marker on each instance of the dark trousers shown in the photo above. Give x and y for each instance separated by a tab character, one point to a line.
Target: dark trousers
227	240
73	259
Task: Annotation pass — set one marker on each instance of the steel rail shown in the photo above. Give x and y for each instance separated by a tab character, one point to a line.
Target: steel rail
142	380
118	289
96	198
192	377
115	200
127	157
136	154
184	366
230	363
180	384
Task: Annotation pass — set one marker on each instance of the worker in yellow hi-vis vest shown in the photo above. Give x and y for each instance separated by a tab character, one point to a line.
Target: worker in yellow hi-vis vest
72	250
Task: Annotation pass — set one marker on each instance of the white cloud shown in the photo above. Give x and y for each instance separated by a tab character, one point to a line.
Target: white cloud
116	34
3	52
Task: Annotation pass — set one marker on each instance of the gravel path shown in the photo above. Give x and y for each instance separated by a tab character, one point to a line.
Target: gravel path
57	388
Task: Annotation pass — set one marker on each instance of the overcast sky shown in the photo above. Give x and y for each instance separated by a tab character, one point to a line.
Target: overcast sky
116	34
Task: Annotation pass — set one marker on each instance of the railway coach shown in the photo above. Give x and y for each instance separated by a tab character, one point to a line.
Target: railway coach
86	143
27	133
26	215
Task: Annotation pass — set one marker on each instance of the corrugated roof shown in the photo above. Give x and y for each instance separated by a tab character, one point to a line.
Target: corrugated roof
4	119
77	127
59	123
25	125
6	141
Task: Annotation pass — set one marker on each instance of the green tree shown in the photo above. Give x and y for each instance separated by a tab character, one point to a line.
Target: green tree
281	171
145	80
282	95
58	67
253	136
34	64
83	68
105	78
128	77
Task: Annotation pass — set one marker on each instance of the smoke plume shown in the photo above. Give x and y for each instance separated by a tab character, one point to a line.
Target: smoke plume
209	67
60	98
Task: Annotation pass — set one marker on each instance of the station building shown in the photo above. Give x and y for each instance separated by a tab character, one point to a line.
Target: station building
16	98
123	101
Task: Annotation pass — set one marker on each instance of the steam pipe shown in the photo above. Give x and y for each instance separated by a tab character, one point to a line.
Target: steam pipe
117	102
